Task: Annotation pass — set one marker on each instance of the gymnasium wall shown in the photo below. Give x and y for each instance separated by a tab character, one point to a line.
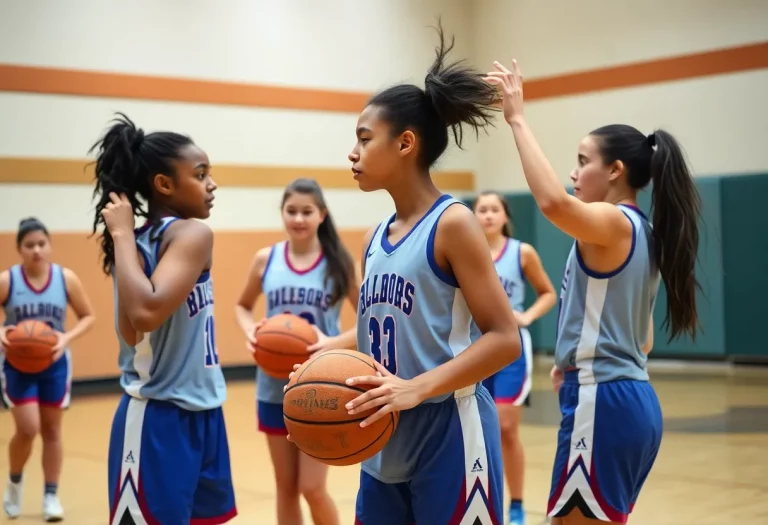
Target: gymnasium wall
696	68
272	90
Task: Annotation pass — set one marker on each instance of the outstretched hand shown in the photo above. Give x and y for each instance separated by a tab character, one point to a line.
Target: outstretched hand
511	84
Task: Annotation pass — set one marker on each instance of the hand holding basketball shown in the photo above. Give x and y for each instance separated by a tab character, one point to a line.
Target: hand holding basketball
118	214
511	84
60	346
388	391
323	342
3	339
250	336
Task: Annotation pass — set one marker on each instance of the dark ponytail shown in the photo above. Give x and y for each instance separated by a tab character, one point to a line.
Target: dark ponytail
27	226
675	206
453	94
127	161
506	230
339	267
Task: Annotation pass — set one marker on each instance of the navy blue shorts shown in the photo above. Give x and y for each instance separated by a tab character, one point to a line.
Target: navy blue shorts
270	416
169	466
609	437
450	455
49	388
512	384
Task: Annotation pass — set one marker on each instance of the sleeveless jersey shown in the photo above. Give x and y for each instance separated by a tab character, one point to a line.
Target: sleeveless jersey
510	269
412	316
299	292
48	304
604	317
178	361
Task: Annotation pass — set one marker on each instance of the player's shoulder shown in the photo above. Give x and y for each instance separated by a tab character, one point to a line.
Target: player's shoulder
262	257
457	218
190	230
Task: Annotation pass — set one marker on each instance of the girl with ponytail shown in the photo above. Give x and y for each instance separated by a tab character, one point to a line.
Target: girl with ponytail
427	273
170	418
612	425
314	270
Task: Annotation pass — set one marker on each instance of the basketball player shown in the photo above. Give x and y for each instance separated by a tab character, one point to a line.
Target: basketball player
515	263
40	290
308	275
427	272
612	424
168	452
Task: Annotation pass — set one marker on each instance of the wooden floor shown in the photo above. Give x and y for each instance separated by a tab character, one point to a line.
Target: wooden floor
712	468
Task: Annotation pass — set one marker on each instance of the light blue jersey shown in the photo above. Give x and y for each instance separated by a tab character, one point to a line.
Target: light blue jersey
604	318
509	266
47	304
178	361
300	292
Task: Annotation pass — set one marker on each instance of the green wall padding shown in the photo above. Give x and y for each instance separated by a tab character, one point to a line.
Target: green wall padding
745	260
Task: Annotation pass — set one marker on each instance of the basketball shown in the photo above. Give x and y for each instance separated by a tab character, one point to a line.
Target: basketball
314	412
30	346
282	342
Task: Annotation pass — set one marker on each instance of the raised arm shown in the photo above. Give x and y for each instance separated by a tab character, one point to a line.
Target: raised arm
598	223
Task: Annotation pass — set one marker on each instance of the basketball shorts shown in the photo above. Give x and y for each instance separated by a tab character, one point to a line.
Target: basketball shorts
50	388
442	466
512	384
609	436
168	465
270	416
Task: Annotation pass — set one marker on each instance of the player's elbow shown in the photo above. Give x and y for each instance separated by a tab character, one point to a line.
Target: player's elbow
513	348
553	207
144	319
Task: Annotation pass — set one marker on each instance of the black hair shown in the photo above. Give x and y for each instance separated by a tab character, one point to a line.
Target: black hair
506	230
675	208
27	226
127	161
339	265
453	94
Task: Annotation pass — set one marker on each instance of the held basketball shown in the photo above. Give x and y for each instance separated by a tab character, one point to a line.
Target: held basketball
282	342
315	414
30	346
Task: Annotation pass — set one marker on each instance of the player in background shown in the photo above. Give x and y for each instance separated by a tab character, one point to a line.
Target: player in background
516	262
40	290
427	273
168	451
310	275
611	427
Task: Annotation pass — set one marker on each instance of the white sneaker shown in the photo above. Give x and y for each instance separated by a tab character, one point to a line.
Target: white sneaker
12	500
52	510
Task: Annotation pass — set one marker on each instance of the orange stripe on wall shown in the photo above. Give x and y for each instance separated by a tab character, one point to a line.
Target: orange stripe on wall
27	79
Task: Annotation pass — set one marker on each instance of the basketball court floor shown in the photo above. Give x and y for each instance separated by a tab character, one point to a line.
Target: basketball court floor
712	468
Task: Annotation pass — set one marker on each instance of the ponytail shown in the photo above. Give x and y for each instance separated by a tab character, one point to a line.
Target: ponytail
453	94
127	161
675	206
339	264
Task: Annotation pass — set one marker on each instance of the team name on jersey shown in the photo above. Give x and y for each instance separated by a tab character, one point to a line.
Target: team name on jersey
509	286
387	288
46	312
200	297
297	295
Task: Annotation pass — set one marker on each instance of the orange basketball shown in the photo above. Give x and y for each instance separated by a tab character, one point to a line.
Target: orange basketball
314	413
30	346
282	342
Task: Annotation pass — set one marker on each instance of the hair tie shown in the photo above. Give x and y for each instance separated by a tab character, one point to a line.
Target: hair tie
651	139
138	140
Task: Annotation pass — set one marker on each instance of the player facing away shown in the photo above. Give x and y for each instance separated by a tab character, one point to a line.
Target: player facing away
310	275
41	290
168	451
516	262
427	272
611	428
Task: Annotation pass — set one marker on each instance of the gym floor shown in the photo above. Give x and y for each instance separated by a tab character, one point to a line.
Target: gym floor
712	468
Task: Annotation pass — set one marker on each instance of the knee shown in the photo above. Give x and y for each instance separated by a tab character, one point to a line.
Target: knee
509	430
287	487
50	433
27	432
313	491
